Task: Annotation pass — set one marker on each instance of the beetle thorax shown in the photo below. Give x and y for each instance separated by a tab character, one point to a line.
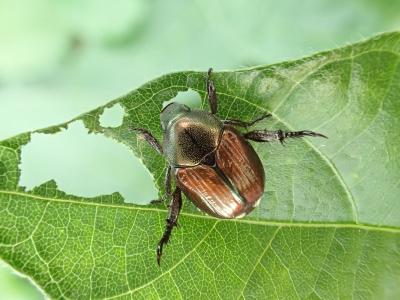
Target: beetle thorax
190	136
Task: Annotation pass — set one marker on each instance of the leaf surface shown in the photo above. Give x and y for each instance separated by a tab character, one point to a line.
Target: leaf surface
328	225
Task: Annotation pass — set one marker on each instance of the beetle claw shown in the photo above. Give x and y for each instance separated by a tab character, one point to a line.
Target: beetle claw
159	252
209	72
312	133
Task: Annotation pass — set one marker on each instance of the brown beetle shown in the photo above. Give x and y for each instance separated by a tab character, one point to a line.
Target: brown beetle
213	164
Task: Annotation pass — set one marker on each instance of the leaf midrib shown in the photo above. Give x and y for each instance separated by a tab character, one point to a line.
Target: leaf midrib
367	227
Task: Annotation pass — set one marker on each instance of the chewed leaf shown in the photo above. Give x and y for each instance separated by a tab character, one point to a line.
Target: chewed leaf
328	225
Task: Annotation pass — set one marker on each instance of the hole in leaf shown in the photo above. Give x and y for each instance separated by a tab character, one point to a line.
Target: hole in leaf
85	165
189	97
112	117
17	286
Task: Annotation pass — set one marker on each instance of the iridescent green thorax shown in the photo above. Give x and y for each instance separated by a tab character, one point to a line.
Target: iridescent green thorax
189	135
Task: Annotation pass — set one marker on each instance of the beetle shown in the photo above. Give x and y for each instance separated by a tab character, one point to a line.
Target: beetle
212	162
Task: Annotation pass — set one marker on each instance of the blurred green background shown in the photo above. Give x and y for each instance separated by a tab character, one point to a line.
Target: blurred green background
61	58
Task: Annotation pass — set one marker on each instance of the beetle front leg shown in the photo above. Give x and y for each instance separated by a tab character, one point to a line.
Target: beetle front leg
241	123
278	135
211	93
173	214
149	138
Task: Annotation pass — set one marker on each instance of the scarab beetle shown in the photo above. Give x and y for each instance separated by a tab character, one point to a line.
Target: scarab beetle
212	163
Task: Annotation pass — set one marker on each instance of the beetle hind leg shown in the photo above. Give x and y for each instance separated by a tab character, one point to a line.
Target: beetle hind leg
171	221
279	135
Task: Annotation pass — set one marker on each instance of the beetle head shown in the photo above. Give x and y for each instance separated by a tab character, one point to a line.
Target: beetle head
171	111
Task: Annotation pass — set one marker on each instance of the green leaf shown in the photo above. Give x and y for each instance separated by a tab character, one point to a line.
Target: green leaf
328	225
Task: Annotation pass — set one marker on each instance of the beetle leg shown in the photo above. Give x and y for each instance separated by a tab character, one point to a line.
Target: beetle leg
278	135
211	93
149	138
173	213
167	182
241	123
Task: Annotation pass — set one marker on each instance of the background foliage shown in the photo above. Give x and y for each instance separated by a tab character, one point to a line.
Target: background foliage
94	52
